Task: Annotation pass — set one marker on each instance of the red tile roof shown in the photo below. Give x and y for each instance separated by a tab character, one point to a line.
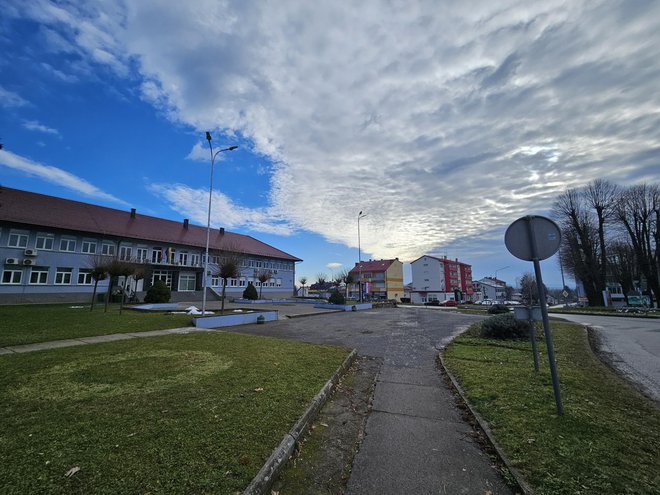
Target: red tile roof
372	266
48	211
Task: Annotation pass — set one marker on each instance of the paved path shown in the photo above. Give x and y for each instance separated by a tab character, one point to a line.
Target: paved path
416	441
631	345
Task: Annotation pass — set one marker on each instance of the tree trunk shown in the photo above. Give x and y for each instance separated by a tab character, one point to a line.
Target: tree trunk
96	283
107	294
224	288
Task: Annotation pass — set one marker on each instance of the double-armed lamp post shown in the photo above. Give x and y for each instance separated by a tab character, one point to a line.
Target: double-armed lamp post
214	154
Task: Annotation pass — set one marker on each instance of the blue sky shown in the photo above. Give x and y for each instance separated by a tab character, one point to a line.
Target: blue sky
444	122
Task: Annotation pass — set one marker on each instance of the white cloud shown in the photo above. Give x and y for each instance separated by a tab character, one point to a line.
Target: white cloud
33	125
55	175
10	99
334	265
193	204
441	120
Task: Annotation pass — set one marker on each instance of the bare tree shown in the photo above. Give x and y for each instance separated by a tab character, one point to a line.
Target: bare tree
638	212
580	252
99	271
603	197
321	279
623	266
529	289
348	279
263	276
229	266
118	268
303	281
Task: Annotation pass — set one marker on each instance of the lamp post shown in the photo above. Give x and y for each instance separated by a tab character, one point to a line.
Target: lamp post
500	269
208	221
360	215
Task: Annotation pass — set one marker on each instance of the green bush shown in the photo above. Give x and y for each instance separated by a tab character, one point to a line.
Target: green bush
158	293
504	326
337	298
498	309
250	292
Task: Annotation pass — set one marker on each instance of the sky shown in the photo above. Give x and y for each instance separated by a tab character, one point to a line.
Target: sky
443	121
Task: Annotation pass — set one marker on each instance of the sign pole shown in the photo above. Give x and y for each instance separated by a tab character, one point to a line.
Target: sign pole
544	315
532	336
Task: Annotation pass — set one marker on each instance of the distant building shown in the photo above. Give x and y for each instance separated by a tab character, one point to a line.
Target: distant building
47	245
381	279
489	288
440	279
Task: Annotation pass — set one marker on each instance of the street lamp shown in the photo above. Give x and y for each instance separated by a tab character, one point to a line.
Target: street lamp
360	215
208	222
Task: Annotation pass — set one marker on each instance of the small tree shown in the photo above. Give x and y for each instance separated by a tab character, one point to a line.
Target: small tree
336	298
229	266
348	279
99	271
250	292
263	276
118	268
158	293
303	281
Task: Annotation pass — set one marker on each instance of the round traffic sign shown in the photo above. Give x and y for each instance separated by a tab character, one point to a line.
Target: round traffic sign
532	234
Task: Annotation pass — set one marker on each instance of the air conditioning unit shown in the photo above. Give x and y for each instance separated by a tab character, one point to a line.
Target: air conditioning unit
30	252
28	262
11	261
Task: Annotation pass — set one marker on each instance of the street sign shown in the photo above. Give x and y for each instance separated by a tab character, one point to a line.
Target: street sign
546	234
565	293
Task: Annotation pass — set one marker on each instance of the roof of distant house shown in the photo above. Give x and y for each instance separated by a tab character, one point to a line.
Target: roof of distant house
24	207
372	266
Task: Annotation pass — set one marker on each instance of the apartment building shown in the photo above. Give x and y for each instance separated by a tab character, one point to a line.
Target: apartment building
381	279
440	279
48	244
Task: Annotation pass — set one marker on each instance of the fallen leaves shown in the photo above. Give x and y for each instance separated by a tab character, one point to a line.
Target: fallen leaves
72	471
259	389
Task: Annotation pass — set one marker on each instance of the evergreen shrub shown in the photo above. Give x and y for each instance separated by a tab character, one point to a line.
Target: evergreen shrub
337	298
504	326
158	293
250	292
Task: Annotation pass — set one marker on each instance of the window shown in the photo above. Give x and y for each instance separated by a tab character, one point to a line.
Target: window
157	255
215	281
108	249
241	282
44	241
233	282
186	283
63	276
194	260
39	275
258	264
68	245
12	277
84	277
125	253
279	282
163	275
141	254
251	263
89	247
183	258
18	240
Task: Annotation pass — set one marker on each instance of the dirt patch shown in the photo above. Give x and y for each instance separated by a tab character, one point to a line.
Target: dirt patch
322	461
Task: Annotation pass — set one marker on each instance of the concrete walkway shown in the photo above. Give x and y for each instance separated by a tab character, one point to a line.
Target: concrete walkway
56	344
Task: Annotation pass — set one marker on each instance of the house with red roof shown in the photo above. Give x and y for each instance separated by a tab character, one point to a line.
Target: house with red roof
47	246
379	279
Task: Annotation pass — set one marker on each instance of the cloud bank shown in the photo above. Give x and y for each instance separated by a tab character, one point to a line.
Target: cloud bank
442	120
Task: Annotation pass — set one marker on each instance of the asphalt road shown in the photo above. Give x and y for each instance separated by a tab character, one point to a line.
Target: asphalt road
416	440
631	345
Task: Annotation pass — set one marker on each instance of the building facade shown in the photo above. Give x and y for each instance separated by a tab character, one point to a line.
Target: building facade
440	279
381	279
489	288
48	246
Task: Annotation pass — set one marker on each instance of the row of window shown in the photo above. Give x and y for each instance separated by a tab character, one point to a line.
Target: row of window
243	281
168	255
39	275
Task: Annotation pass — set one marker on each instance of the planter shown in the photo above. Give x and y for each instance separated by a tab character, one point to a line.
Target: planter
218	321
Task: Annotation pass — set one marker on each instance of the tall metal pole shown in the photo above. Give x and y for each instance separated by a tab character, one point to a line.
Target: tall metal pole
544	316
208	220
360	215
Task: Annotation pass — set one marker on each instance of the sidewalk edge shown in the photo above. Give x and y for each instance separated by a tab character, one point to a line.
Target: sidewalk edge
261	483
517	476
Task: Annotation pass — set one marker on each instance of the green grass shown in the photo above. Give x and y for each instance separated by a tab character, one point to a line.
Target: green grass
174	414
606	442
28	324
608	311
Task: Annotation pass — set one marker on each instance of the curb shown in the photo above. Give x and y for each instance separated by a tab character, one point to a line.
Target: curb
261	483
522	484
305	315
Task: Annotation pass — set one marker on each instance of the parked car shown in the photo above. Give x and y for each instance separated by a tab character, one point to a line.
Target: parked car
486	302
449	303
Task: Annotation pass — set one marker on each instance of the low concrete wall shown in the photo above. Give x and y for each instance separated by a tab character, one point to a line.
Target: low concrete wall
345	307
233	319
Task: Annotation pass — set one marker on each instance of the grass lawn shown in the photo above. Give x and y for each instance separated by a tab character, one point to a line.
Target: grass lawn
608	440
28	324
177	414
